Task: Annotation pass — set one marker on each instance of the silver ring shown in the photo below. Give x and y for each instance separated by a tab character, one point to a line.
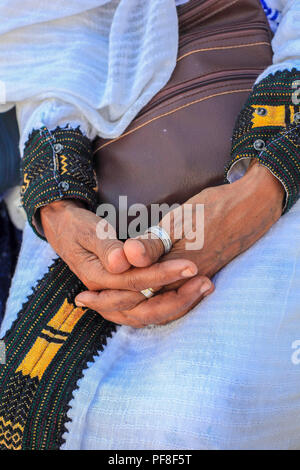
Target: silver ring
148	292
163	236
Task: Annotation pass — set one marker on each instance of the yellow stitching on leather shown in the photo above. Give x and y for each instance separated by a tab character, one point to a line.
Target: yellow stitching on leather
168	114
220	48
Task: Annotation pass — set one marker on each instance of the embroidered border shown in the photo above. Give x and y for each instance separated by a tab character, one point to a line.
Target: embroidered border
57	165
268	129
47	349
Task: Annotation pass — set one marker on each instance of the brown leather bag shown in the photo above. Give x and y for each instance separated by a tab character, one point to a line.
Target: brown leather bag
180	142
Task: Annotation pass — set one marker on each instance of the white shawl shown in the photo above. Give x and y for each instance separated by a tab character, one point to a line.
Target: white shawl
105	58
97	63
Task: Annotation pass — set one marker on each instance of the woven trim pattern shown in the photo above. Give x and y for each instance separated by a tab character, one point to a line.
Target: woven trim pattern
268	129
47	349
57	165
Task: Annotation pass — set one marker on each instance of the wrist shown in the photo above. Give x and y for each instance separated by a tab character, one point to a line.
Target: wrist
260	180
60	206
55	212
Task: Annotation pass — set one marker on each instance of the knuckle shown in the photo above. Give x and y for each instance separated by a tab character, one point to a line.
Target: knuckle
133	283
159	276
156	277
161	272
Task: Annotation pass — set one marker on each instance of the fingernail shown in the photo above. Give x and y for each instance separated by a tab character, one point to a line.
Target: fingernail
78	303
189	272
205	287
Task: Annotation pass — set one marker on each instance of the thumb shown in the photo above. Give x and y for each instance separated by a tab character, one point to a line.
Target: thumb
110	249
146	249
143	251
103	242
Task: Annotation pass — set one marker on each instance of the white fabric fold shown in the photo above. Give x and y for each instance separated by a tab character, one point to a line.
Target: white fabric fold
222	377
107	61
124	51
225	376
286	41
286	48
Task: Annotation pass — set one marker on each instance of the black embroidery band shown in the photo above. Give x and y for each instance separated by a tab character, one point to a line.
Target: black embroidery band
268	129
47	349
57	165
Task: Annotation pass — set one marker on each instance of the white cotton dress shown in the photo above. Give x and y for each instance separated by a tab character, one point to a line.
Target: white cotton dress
225	376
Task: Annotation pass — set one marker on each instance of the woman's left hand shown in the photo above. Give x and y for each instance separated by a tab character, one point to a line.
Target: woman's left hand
235	217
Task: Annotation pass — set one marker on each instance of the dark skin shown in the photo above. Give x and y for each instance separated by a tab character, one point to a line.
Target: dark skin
236	216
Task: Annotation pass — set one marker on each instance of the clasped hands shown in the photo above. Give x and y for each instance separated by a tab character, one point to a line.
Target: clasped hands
235	217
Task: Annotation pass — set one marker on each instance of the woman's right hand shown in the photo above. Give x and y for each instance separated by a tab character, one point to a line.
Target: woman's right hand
80	238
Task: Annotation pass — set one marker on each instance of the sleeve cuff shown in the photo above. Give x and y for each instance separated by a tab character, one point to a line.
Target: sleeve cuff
268	129
56	165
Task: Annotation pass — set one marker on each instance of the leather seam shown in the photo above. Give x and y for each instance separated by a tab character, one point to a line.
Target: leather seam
212	41
220	48
207	14
171	112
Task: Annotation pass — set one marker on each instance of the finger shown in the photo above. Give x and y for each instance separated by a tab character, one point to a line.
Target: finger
181	314
143	251
101	239
154	276
204	289
108	301
93	302
170	305
120	318
96	278
148	248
